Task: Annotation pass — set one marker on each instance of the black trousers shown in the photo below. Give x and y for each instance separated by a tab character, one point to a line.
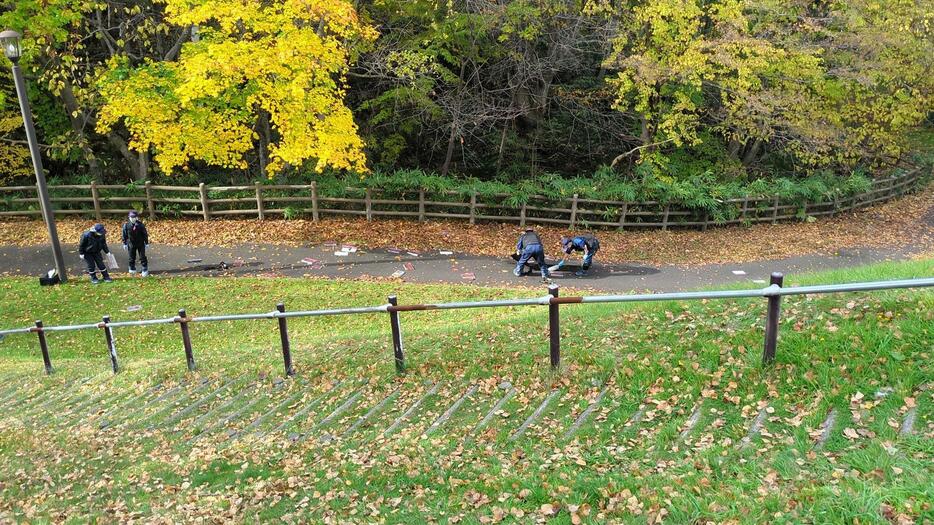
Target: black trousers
94	261
137	249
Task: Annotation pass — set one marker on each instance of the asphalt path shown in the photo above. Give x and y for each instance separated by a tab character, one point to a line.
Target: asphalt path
330	260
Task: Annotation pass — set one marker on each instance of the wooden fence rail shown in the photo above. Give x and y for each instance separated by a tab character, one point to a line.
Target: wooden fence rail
262	201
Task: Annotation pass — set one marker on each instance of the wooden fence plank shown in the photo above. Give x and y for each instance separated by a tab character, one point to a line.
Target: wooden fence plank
573	212
175	188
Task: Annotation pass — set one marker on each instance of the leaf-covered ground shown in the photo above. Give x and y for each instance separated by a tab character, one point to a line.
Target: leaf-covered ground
660	412
907	222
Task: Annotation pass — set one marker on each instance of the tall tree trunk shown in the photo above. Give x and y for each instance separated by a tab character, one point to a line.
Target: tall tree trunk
142	167
453	135
77	112
645	134
77	125
734	147
752	153
450	153
502	147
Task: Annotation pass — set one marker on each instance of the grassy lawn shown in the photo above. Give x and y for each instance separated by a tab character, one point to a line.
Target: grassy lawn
648	420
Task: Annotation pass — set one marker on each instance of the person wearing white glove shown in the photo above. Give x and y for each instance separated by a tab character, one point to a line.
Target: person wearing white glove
135	241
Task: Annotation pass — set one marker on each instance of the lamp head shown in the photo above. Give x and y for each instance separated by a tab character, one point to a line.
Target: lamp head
11	41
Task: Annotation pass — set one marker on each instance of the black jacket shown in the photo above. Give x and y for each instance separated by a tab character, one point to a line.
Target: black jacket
135	234
528	239
92	243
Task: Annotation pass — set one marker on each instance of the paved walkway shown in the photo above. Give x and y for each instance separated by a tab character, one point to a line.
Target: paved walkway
433	267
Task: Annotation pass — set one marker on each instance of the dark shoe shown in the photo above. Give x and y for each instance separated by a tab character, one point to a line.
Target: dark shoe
108	280
94	280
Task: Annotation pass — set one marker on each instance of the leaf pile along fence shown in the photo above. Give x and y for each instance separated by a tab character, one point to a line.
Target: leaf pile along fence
772	293
266	200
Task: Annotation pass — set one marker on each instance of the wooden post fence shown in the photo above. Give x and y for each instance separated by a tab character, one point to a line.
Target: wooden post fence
202	189
149	204
622	216
314	201
260	210
96	198
421	205
649	214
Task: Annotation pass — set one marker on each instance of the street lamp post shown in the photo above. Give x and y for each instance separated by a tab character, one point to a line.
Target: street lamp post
10	40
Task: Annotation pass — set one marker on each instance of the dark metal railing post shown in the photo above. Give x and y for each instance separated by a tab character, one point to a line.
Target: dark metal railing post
286	347
111	344
396	336
554	328
771	321
45	348
186	339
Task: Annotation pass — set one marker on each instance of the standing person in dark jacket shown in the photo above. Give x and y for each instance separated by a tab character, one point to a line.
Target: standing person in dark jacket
530	247
93	242
582	243
135	241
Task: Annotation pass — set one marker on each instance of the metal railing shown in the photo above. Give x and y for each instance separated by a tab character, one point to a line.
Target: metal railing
773	293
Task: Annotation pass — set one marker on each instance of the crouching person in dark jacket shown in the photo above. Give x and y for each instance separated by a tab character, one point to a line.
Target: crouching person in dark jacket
93	243
135	241
530	247
581	243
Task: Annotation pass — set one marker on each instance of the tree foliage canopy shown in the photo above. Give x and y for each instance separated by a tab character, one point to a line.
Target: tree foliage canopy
492	89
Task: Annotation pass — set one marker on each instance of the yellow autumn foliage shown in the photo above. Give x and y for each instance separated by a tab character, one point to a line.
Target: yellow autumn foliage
285	58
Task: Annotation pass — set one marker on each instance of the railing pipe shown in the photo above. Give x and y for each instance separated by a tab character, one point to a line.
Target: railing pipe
335	311
858	287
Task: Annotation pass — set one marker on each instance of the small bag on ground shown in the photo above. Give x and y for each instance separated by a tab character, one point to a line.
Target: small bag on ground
112	262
